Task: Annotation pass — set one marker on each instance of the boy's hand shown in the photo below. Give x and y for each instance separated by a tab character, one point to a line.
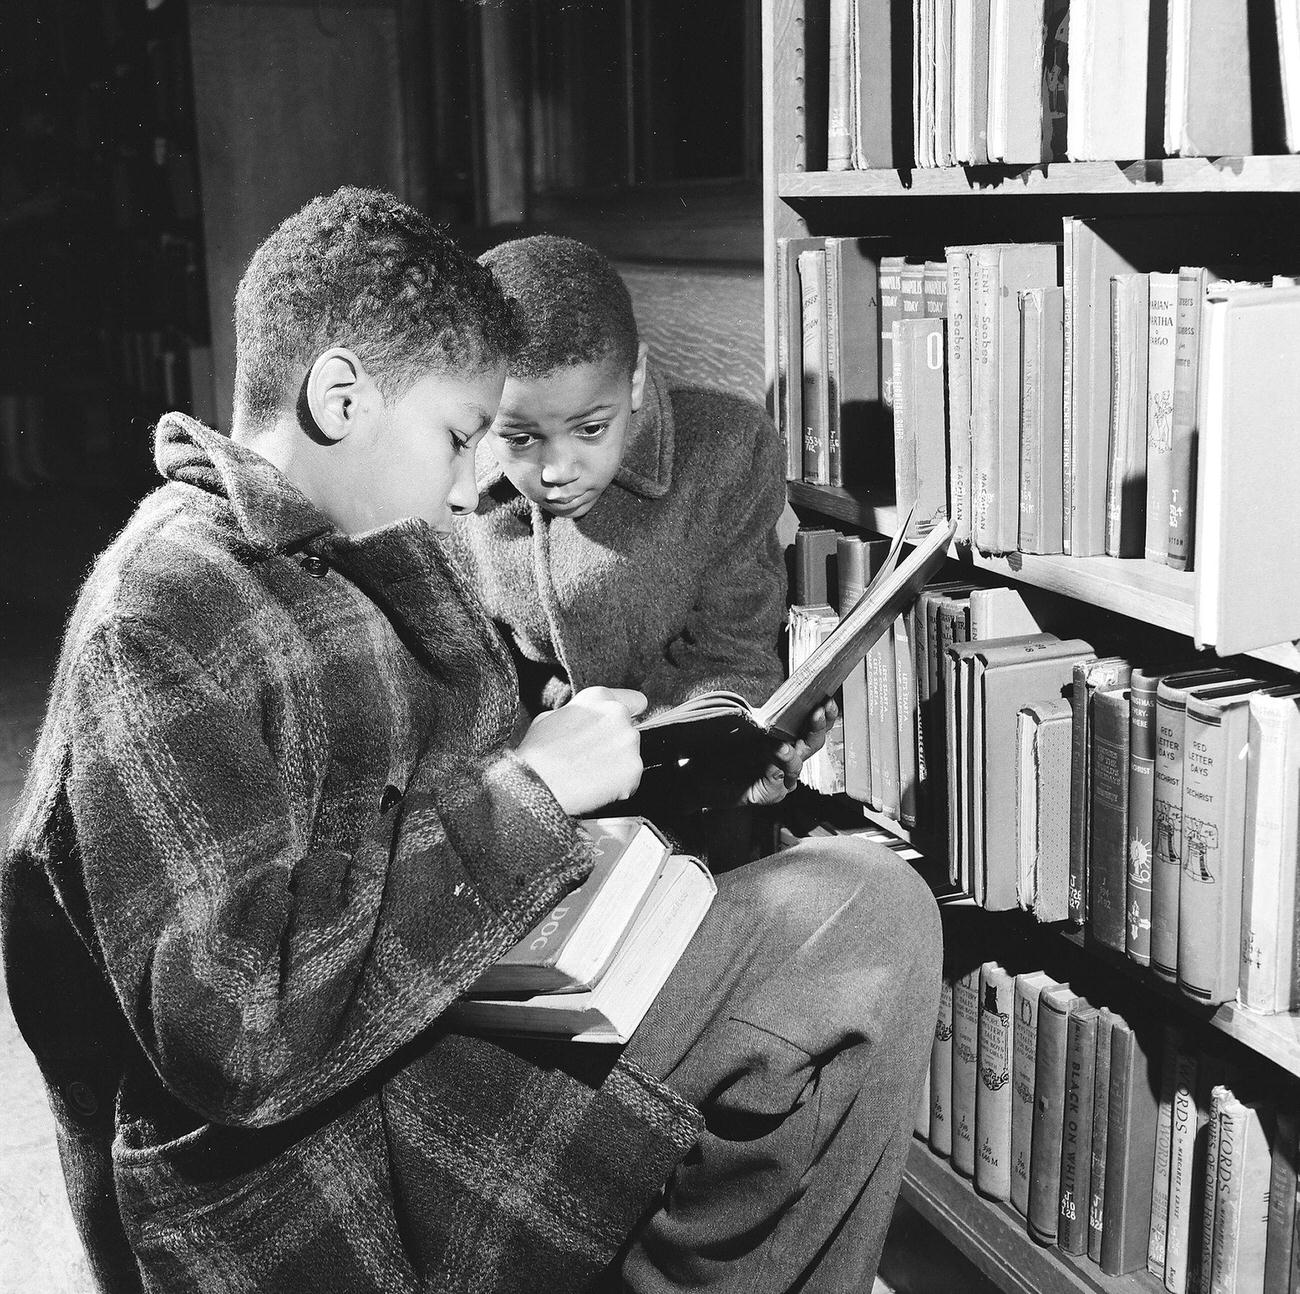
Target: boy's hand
587	751
782	774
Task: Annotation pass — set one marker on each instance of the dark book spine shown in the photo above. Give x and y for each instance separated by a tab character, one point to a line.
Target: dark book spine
1108	817
832	323
1100	1134
1049	1109
1141	787
1281	1205
1076	1129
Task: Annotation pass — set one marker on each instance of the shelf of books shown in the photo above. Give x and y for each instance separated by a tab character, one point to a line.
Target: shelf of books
993	1236
1089	724
1082	180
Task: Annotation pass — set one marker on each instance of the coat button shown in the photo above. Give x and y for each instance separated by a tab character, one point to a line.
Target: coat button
315	566
81	1098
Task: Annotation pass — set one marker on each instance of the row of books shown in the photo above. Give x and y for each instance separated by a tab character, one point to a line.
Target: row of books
1131	413
1114	1140
1023	82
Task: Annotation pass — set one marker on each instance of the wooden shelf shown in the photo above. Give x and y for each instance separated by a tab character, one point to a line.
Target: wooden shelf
1185	175
1275	1037
993	1236
1146	591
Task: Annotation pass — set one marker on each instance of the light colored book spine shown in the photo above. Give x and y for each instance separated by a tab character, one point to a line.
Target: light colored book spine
965	1050
984	396
1218	1095
941	1075
1182	453
1031	421
1241	1198
993	1095
1024	1044
812	280
839	133
1069	330
1162	335
1126	478
1141	775
959	389
1267	977
1182	1154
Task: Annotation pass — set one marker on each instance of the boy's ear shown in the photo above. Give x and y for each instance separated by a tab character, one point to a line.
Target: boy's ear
335	388
638	375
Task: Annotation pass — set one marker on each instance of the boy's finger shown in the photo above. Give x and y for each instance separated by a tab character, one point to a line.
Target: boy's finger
632	700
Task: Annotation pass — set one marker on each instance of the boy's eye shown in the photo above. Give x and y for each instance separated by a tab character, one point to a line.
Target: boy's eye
516	439
591	430
460	443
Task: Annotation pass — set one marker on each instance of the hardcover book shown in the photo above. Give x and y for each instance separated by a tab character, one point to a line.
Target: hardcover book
1029	988
611	1010
993	1095
965	1056
789	349
1126	479
853	289
920	424
1111	112
941	1075
816	362
1208	92
970	81
1042	428
1100	1132
1108	818
1141	791
1076	1127
1162	333
1182	451
1043	820
1241	1197
1173	1044
1015	93
1280	1237
853	580
959	388
571	948
1049	1114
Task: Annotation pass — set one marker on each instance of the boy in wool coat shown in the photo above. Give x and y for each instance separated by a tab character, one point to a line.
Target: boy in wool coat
281	815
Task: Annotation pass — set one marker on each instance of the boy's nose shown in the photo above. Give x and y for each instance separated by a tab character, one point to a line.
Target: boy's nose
463	497
559	471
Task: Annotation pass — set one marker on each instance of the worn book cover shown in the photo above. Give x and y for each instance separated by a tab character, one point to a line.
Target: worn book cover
1112	112
965	1053
959	388
1141	791
1015	111
1054	1006
1167	811
1108	817
1133	1123
970	81
1241	1198
1182	452
1280	1238
1173	1043
1076	1127
1100	1132
1042	359
1270	969
1208	91
1029	987
853	282
789	349
1043	819
816	388
920	423
941	1075
1126	477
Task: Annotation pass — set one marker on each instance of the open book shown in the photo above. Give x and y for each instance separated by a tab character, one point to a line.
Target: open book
724	722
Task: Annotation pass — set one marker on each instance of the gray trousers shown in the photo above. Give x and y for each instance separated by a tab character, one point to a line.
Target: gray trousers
799	1021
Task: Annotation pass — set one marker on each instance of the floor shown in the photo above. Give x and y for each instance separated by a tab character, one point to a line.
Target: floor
39	1249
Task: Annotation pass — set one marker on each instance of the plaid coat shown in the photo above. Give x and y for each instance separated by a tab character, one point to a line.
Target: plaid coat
270	831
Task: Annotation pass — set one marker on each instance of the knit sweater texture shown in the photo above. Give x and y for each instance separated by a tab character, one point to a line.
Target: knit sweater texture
272	828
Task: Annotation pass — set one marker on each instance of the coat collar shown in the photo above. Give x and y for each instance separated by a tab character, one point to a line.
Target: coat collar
647	467
273	514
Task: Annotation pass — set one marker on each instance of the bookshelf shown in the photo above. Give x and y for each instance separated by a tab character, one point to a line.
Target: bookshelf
915	211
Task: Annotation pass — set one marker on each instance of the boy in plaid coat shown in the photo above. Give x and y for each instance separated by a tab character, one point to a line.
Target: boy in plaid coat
277	821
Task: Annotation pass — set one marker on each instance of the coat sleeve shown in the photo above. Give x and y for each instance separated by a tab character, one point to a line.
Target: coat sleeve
731	635
261	977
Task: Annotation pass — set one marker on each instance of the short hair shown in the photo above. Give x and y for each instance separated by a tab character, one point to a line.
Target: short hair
572	305
361	269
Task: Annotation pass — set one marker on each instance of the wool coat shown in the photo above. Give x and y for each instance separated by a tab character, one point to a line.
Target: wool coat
272	828
674	582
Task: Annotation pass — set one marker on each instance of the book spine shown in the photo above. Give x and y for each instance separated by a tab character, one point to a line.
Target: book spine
831	326
1130	1155
839	128
1182	454
1077	904
1108	818
1280	1232
1162	334
1100	1134
965	1050
812	275
1126	478
929	423
1211	1219
1209	904
1167	830
793	465
959	390
1172	1048
851	566
984	397
1266	972
1076	1131
1053	843
941	1075
1024	1045
905	359
891	310
1141	786
1241	1229
1181	1155
993	1092
890	798
1049	1110
905	713
934	290
1069	331
1056	79
1031	425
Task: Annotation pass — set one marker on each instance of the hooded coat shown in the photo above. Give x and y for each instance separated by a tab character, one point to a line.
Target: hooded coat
271	830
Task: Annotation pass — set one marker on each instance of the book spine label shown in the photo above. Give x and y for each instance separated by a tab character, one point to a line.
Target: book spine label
941	1075
1141	787
1162	334
1108	818
1182	458
965	1049
993	1094
1076	1130
1167	831
959	393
